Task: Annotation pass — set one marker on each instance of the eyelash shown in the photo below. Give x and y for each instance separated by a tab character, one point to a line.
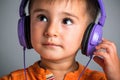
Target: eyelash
66	21
42	17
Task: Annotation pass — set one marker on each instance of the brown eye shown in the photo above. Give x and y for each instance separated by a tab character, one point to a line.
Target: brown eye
67	21
43	18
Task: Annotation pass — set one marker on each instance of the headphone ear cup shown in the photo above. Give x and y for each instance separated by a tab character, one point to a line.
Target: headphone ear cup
92	37
24	32
21	32
86	38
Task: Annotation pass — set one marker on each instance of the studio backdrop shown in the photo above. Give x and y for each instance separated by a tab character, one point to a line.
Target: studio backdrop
11	53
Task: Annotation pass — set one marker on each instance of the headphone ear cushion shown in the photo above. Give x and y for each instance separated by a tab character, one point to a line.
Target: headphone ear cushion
86	38
24	32
27	32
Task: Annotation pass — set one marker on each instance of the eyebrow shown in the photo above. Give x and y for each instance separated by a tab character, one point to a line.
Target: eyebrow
70	14
39	10
65	13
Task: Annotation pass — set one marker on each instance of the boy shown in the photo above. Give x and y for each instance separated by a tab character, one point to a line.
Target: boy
57	29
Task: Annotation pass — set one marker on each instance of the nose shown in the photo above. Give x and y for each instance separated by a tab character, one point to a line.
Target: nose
51	30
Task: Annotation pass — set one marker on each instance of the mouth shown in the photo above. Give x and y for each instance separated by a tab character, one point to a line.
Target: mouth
51	45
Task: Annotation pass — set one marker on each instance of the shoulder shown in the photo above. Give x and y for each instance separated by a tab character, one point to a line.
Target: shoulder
19	74
14	75
93	74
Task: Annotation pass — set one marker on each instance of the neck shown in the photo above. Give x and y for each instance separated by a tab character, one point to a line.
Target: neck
59	67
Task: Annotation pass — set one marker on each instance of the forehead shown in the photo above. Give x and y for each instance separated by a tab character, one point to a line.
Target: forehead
77	4
54	1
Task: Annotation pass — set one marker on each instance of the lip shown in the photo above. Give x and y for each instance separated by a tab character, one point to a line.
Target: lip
51	45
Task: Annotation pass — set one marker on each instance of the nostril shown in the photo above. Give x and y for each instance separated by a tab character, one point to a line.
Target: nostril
51	30
50	33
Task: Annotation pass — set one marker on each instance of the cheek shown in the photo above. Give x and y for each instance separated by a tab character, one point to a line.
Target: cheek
34	37
35	34
73	40
78	36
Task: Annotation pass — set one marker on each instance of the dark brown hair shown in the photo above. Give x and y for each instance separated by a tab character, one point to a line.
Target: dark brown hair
92	8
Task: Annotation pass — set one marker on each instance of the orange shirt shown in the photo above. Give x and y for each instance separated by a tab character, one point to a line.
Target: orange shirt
35	72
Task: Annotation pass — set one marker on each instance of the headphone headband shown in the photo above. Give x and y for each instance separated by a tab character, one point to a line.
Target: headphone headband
103	13
22	8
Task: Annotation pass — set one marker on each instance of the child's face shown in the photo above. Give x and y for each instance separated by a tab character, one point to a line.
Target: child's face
57	28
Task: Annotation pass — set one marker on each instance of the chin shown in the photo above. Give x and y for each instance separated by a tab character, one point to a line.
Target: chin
52	57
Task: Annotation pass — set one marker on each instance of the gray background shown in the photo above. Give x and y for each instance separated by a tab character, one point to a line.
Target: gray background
11	57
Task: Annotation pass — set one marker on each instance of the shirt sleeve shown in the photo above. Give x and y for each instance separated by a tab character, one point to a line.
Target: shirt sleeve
7	77
95	75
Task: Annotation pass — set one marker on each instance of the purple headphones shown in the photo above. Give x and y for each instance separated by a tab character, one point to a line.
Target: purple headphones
92	36
24	26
